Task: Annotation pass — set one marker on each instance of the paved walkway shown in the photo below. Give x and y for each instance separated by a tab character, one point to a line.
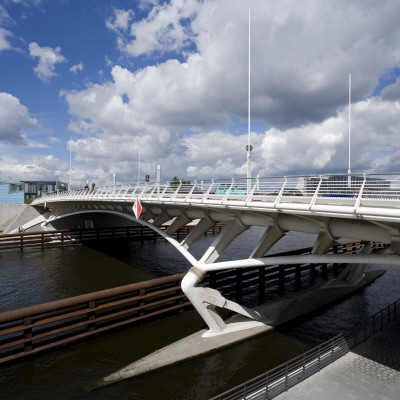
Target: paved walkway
370	371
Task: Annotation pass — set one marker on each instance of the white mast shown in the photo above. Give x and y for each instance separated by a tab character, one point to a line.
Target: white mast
70	158
248	147
349	171
138	177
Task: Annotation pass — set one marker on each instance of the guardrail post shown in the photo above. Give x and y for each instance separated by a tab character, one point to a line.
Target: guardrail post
297	272
142	302
213	279
22	242
92	316
239	285
28	334
286	377
281	279
319	358
261	283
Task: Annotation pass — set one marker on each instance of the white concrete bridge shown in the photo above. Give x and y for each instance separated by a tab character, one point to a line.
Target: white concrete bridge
365	207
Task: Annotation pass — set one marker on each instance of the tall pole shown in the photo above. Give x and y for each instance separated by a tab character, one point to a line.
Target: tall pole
349	171
70	161
138	176
248	147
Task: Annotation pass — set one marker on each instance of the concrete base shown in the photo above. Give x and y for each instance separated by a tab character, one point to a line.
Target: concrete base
238	329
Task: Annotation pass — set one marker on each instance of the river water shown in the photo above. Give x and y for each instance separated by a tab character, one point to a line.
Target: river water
37	276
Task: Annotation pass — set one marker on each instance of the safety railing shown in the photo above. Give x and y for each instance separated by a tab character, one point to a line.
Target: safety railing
280	379
283	377
67	237
44	239
355	191
30	330
374	324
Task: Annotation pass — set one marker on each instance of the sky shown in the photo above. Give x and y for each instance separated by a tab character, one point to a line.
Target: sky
93	88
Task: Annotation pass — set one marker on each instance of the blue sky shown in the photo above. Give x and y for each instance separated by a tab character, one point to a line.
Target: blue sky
100	77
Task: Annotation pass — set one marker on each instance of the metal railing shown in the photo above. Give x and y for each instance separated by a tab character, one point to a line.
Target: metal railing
280	379
295	192
374	324
283	377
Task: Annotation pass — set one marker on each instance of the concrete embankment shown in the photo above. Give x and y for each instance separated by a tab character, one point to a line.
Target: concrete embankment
13	216
8	213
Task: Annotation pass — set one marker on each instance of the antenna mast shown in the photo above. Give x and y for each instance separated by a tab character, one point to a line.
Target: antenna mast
249	148
70	172
349	171
138	177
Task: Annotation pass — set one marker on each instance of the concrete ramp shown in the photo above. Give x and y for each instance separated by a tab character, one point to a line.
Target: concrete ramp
29	218
8	213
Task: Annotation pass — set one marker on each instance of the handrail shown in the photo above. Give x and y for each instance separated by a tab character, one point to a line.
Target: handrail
281	378
367	193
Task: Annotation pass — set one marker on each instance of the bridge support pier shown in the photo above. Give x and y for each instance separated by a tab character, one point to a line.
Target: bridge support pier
205	301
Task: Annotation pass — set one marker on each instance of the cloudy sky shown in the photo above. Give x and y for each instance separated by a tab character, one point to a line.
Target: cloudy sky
122	84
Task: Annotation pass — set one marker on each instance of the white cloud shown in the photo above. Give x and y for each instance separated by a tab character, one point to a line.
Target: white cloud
120	20
323	147
48	58
77	67
4	42
165	29
301	59
34	167
14	119
5	20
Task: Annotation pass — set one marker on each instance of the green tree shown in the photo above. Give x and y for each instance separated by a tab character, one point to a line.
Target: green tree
176	182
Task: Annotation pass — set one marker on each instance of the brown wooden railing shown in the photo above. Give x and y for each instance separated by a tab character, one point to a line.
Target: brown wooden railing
68	237
29	330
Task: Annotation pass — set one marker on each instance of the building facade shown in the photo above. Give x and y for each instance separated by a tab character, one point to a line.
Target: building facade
11	193
35	189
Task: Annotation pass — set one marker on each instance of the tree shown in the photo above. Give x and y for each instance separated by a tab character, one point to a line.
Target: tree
176	182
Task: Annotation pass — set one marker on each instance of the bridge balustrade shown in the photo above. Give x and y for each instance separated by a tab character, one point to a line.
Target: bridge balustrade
366	190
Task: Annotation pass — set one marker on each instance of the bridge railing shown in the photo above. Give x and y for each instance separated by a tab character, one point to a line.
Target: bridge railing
281	378
368	190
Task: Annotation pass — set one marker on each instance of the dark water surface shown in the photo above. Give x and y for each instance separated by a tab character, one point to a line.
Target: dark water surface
37	276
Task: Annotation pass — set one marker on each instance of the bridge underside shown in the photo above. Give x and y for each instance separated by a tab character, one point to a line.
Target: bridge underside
327	230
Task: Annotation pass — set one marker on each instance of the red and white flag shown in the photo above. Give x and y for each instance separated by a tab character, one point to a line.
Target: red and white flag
137	208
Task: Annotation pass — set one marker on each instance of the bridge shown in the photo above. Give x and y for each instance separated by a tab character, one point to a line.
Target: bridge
365	207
